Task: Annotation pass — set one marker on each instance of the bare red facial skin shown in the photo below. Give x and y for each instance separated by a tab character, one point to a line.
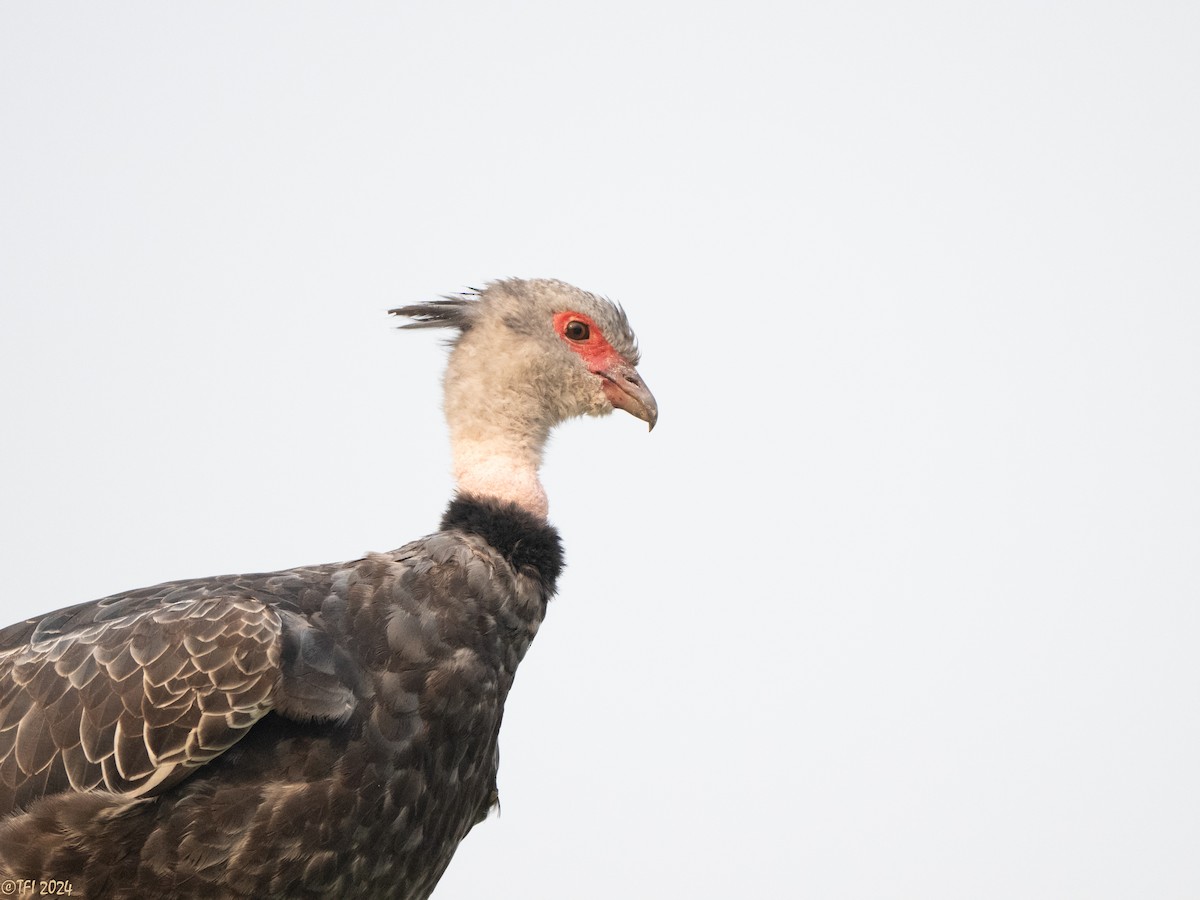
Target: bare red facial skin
595	349
622	386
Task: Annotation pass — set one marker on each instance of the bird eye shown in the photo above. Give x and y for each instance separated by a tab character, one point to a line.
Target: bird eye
576	330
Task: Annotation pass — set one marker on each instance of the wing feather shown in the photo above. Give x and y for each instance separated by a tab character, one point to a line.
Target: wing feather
130	703
132	693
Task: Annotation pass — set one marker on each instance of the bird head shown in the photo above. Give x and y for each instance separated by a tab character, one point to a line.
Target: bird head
534	353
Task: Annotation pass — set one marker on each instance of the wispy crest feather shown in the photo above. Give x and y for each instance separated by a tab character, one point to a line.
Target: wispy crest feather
452	311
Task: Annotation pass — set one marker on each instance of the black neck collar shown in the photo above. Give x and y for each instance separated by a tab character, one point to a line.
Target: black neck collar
525	540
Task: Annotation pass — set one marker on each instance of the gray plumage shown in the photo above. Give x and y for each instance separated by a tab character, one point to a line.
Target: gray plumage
326	731
512	300
300	755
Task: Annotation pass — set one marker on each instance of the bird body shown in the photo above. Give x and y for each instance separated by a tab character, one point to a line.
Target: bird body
323	731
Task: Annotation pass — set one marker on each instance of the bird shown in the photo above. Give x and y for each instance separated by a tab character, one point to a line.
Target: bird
328	730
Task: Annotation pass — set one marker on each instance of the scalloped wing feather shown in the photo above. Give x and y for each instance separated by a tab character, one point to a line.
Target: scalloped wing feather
133	703
131	694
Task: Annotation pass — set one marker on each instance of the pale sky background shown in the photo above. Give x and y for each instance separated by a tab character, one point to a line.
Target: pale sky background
902	597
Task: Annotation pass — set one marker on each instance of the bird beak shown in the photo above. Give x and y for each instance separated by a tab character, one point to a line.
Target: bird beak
624	388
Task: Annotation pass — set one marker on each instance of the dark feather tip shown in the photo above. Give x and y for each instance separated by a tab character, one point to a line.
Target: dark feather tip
450	312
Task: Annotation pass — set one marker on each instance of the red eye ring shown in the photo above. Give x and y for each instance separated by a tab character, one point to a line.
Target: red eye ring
577	331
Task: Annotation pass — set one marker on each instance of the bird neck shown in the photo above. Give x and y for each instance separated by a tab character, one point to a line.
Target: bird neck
503	466
495	405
